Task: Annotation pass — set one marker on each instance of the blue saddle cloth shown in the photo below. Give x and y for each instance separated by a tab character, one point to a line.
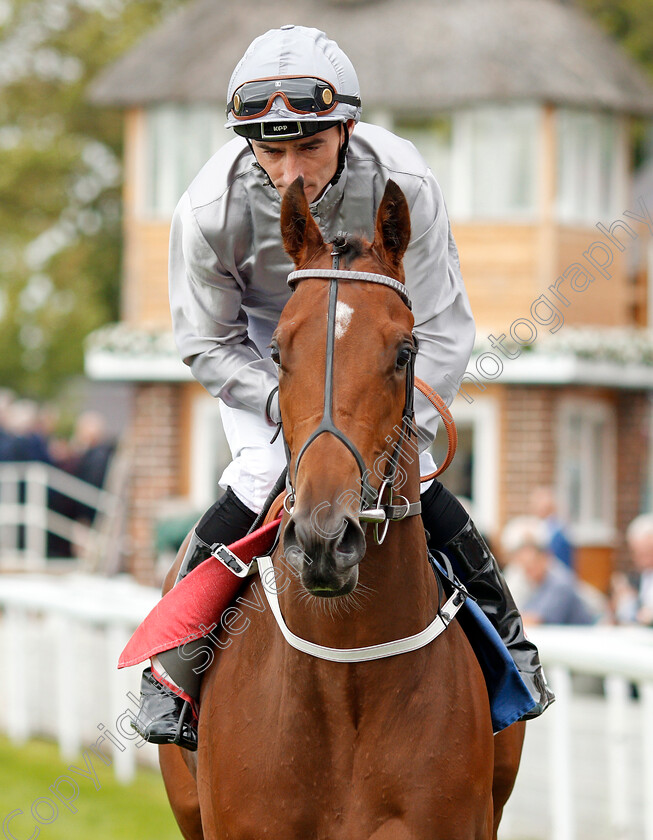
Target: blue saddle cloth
509	697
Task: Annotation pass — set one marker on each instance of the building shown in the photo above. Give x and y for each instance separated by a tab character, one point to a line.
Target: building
524	110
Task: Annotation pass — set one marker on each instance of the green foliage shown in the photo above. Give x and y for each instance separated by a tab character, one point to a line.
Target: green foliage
60	181
630	22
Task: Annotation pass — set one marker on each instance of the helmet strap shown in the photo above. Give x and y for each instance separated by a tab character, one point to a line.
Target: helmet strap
342	155
257	164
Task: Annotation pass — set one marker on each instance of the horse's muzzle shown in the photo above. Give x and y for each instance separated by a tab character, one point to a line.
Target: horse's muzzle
325	555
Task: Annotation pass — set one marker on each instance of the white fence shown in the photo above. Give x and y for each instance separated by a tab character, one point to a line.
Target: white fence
60	638
26	516
587	770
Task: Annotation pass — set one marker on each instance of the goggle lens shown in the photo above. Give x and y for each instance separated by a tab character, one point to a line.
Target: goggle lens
304	95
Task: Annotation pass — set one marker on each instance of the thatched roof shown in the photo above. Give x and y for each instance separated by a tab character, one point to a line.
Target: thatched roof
411	56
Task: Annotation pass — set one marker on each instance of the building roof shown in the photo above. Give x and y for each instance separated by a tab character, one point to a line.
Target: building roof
412	56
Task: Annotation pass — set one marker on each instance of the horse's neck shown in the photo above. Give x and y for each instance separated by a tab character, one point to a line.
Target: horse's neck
396	595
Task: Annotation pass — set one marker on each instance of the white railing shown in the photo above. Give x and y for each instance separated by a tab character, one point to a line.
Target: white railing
587	769
60	638
26	518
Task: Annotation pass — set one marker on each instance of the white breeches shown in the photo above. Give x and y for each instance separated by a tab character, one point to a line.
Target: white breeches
257	463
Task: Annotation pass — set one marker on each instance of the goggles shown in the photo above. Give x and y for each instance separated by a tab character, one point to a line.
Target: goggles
302	95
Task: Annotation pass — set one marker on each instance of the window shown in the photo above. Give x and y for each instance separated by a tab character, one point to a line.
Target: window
590	163
210	453
178	142
433	138
474	472
586	468
485	159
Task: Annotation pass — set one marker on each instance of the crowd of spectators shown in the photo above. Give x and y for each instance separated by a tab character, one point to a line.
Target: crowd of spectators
32	432
539	562
545	588
632	593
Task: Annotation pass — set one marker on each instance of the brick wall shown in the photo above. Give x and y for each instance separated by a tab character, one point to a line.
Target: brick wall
528	446
155	439
529	452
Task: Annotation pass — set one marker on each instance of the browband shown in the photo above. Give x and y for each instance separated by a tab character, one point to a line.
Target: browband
337	274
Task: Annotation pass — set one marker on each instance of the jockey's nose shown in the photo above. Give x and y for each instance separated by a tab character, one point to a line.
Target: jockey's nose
291	167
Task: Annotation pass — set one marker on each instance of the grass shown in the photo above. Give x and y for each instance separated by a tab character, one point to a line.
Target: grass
139	811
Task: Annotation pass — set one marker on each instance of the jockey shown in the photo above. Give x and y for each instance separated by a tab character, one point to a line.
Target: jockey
294	102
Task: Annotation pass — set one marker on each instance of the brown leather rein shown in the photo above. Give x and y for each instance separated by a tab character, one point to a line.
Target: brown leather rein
452	433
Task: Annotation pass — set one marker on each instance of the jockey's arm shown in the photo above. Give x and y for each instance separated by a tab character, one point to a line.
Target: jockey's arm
209	324
444	324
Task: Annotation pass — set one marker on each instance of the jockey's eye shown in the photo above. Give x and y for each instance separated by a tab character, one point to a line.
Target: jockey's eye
274	354
403	357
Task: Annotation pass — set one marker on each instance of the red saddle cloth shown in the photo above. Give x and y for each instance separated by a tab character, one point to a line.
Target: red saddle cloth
196	603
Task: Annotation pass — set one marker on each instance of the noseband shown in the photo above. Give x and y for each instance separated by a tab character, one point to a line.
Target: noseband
372	509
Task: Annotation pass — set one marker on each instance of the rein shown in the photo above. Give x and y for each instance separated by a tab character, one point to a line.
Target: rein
372	508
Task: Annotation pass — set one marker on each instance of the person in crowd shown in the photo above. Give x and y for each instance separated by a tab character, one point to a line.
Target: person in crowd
94	449
26	439
543	505
6	399
632	594
544	588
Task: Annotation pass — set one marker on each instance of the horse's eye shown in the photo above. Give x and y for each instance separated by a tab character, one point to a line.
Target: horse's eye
274	354
403	358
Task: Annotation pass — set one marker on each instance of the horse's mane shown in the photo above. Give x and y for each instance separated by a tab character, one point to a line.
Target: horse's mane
352	248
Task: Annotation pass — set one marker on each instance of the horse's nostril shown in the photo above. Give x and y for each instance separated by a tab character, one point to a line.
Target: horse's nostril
291	548
350	548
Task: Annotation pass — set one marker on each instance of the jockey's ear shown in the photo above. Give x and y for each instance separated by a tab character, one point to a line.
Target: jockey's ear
392	233
301	235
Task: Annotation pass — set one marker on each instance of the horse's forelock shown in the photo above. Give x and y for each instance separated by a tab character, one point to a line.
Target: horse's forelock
355	248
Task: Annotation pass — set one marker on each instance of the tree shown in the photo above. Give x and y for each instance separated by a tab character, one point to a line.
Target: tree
628	21
60	176
631	23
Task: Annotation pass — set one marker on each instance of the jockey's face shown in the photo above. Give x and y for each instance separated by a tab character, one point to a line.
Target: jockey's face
315	158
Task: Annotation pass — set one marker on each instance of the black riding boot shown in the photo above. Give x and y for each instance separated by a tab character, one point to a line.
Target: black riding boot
450	528
164	717
485	582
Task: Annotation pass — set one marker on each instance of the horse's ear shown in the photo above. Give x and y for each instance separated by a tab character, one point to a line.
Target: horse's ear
301	236
392	233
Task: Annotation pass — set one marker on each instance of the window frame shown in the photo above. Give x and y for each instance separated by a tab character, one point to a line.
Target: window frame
589	528
162	180
568	209
459	182
483	417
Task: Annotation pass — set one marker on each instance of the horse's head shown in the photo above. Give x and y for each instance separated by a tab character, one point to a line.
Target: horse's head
344	349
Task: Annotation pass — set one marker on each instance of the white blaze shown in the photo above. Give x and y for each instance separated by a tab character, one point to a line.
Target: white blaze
343	318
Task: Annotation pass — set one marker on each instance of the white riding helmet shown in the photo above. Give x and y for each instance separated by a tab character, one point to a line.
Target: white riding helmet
292	82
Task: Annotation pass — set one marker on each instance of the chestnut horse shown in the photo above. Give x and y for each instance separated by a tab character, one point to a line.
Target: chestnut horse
293	746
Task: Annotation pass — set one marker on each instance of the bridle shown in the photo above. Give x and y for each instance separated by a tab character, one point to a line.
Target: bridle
373	510
379	514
